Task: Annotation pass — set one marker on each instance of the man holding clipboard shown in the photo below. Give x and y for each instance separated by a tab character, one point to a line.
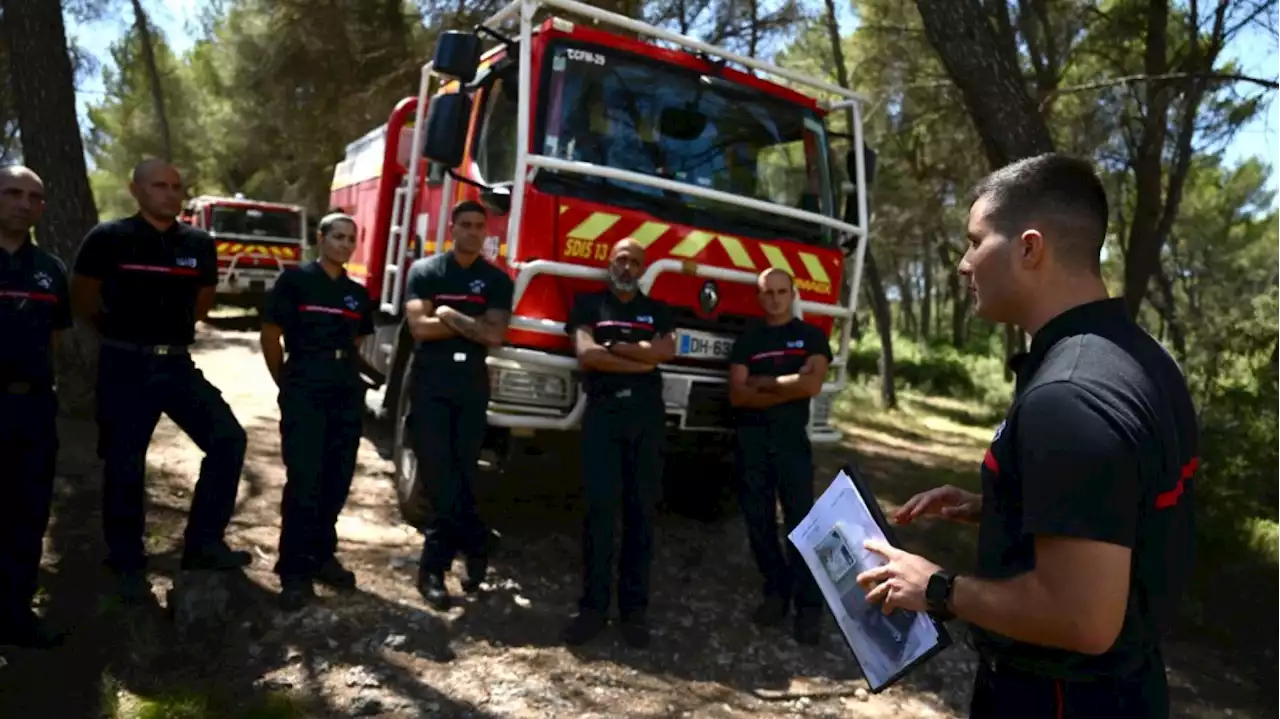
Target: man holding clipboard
1085	514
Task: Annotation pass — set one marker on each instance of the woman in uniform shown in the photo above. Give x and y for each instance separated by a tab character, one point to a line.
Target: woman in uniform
322	316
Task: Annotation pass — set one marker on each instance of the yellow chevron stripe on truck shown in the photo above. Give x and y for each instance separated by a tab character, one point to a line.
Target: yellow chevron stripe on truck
594	234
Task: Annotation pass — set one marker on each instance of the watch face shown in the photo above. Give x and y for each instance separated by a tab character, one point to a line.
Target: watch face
937	589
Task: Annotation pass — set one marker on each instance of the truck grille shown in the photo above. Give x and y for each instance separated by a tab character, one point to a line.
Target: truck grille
725	324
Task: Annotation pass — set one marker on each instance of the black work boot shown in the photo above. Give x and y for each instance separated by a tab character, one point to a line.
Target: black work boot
295	593
431	586
217	556
771	611
477	566
584	627
635	630
331	573
131	586
808	626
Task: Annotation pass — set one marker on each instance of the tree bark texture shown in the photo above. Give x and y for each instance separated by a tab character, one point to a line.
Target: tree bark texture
44	97
981	63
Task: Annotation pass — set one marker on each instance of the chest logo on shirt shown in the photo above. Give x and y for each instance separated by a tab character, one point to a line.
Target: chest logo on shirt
350	302
645	319
185	261
43	280
999	431
477	286
795	344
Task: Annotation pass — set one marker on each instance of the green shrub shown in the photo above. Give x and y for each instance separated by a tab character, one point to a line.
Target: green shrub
936	369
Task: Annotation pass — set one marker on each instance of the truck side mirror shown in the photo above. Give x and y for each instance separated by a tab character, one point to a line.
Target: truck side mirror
446	133
457	55
868	158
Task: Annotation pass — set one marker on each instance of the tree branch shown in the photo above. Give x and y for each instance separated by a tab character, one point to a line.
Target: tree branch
1135	79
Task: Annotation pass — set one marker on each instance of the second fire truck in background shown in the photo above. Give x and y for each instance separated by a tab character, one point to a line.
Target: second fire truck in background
255	241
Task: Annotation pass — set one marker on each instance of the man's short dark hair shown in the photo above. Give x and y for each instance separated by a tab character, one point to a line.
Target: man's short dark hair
466	206
1062	196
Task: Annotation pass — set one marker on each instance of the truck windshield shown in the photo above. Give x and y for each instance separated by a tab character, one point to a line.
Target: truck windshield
626	111
266	223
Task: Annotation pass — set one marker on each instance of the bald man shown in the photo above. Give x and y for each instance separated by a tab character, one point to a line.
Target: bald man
620	337
775	369
143	282
34	309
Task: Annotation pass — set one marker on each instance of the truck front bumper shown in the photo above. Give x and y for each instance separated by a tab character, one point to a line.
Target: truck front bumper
532	390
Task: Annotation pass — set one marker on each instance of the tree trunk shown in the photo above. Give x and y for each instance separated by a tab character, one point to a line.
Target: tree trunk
926	293
44	97
981	59
982	64
1142	255
875	287
959	299
153	75
884	328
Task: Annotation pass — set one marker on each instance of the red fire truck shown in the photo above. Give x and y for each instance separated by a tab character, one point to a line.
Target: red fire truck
256	241
575	137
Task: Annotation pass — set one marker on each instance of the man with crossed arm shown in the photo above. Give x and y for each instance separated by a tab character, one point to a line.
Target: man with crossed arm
774	370
620	335
458	307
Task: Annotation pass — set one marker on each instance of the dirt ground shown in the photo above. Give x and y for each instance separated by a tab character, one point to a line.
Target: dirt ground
381	652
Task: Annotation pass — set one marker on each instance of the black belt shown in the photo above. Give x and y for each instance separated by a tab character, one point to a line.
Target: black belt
322	354
147	349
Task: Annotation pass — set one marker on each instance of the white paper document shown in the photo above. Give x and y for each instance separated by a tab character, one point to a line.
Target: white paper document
830	539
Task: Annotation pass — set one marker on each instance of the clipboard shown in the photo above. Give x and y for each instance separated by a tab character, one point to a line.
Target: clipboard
835	553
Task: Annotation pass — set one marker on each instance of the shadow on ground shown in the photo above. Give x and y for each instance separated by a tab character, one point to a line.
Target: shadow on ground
379	649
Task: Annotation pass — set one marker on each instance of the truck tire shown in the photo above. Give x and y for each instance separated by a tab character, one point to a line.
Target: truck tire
414	508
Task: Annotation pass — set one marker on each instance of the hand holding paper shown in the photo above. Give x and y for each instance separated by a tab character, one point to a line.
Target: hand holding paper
899	583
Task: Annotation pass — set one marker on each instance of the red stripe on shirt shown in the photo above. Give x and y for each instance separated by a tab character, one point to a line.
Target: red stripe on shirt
1165	500
624	323
24	295
460	298
779	353
329	311
163	269
990	461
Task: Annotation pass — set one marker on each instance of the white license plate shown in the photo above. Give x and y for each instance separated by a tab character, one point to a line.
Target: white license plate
703	345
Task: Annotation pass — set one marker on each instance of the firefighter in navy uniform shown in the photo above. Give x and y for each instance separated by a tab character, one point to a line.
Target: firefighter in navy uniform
775	369
323	316
143	282
34	308
1085	517
620	337
458	305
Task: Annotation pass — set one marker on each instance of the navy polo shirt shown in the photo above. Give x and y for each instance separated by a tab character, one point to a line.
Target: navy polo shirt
1100	443
150	278
775	351
318	313
456	364
640	319
34	303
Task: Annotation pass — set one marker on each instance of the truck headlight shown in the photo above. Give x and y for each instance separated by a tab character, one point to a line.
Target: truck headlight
521	386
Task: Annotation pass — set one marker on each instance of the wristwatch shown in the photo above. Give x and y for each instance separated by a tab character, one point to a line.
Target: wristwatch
937	595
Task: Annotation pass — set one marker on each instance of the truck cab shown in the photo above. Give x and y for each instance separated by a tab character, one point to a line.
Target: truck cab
575	137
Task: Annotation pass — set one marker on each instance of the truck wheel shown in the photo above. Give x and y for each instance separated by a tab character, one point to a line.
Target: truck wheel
414	509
